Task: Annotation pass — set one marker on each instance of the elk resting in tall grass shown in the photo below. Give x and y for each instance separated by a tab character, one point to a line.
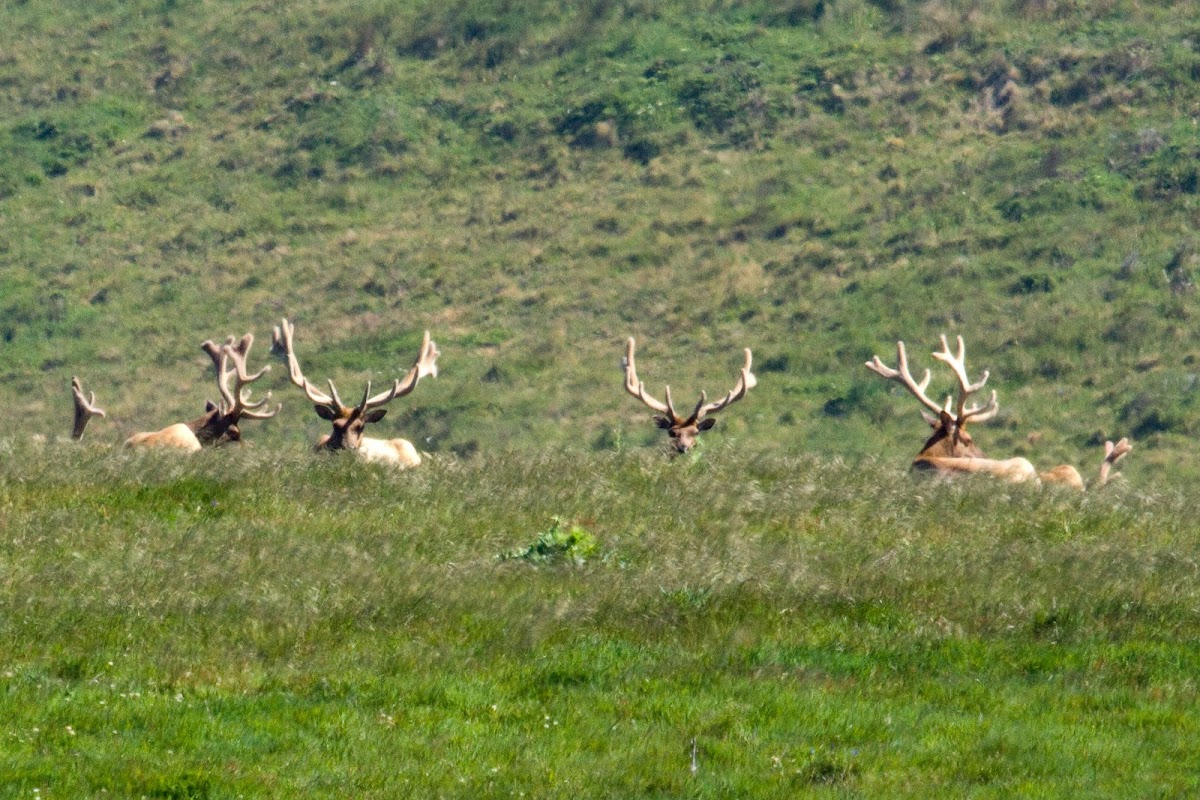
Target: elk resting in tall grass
349	422
951	449
684	430
219	423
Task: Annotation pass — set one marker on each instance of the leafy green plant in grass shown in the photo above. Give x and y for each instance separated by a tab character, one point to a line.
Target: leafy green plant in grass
558	544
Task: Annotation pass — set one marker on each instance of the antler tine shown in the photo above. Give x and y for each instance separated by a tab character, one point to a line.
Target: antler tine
957	363
699	411
237	354
90	402
228	398
670	403
745	383
334	400
638	389
1112	454
281	345
979	413
424	366
85	408
249	412
427	357
904	377
362	405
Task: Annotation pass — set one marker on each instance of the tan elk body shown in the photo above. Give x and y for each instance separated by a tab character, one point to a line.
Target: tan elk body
684	430
349	422
219	423
950	448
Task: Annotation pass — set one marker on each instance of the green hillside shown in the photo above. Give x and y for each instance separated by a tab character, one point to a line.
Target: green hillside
549	606
534	182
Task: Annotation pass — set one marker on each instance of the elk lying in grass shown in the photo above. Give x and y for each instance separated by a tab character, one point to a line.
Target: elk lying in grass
684	430
349	422
951	449
219	423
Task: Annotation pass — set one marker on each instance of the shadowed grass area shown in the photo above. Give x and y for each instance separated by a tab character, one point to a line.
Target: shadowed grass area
274	624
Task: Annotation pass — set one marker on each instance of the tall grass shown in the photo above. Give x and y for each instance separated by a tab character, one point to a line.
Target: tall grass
264	623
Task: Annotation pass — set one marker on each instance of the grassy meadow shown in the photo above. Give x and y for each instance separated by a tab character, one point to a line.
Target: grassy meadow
246	623
550	606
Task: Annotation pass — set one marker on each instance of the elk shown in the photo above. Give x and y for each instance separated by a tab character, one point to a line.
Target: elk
219	423
85	409
951	449
684	430
349	422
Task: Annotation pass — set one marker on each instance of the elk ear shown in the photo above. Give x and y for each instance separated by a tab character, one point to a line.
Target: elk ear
209	406
375	415
325	413
663	423
946	419
705	424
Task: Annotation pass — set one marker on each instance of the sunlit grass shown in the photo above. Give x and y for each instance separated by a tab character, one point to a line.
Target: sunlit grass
262	623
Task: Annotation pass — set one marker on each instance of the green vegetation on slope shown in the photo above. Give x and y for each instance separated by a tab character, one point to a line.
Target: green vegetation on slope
533	182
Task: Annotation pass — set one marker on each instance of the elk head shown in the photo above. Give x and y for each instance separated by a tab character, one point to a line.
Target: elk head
219	424
684	430
950	438
349	422
85	409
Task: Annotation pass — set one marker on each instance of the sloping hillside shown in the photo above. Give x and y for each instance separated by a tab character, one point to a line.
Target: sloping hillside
534	182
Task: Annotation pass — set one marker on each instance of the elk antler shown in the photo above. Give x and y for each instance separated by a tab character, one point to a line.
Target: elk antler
425	366
638	389
85	408
281	345
236	401
905	378
966	388
1112	454
957	363
745	383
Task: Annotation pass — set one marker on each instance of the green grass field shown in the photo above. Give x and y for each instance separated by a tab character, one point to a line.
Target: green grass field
550	605
256	624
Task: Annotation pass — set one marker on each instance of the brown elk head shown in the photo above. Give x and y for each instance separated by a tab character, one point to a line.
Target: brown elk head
85	408
349	422
950	438
219	423
684	430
